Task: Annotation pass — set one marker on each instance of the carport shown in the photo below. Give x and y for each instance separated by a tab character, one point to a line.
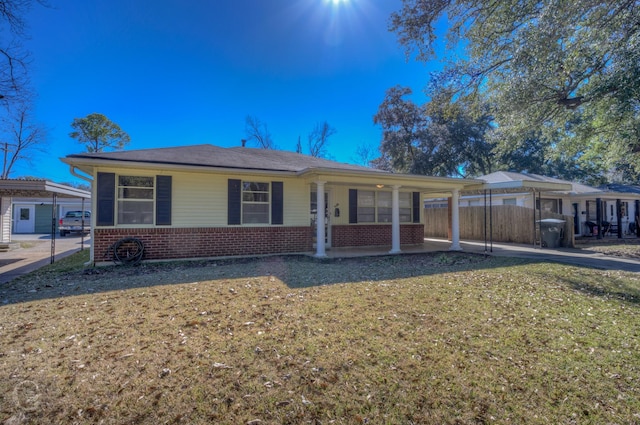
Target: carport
11	188
534	187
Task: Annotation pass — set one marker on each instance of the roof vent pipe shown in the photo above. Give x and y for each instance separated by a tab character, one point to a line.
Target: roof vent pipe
244	142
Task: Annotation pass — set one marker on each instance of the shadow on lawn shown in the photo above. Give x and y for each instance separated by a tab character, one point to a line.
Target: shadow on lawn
615	289
295	271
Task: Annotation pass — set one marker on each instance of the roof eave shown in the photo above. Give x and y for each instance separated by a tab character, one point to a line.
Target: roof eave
386	175
43	186
88	164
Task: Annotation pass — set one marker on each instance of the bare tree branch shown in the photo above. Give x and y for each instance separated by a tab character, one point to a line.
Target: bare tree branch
318	139
22	136
13	56
258	132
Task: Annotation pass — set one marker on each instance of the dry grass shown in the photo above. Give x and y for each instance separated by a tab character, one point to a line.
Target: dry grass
415	339
627	248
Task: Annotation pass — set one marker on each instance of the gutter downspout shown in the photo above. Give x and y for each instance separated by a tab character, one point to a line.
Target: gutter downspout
72	170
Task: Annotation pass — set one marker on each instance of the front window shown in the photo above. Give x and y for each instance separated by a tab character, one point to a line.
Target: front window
382	212
549	205
366	206
384	207
255	203
405	207
135	200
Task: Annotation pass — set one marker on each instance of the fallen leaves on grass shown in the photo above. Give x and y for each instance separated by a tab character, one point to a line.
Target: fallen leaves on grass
409	339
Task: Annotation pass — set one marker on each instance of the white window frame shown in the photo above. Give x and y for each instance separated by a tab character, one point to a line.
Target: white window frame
251	199
379	205
129	195
366	206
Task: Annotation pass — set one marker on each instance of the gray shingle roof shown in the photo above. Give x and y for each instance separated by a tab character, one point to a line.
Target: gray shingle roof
218	157
622	188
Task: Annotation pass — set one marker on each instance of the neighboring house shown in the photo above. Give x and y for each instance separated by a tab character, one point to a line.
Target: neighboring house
207	201
618	203
28	206
35	215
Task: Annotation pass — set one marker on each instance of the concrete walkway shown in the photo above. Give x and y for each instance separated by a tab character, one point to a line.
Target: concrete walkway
576	257
36	253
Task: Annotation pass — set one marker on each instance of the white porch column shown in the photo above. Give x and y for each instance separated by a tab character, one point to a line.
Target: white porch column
395	220
5	218
455	221
320	218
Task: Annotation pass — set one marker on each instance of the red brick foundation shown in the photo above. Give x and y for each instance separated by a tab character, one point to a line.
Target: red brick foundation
375	234
175	243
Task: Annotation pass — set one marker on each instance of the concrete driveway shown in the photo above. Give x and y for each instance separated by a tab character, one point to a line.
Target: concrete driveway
35	252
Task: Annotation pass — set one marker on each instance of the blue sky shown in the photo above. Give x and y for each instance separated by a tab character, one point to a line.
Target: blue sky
176	72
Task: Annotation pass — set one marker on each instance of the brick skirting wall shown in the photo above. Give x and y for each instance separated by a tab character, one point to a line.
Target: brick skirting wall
174	243
375	234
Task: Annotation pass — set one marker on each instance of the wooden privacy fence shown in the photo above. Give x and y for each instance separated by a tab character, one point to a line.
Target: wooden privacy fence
511	223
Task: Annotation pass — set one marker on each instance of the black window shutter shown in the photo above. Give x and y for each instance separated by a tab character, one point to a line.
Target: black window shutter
277	198
106	202
353	205
234	204
163	200
559	206
416	207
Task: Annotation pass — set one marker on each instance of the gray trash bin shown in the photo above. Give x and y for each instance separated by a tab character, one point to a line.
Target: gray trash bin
551	230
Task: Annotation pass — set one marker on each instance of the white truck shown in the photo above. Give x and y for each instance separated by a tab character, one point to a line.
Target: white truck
73	222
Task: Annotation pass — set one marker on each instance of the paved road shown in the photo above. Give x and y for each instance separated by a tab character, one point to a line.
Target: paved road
37	253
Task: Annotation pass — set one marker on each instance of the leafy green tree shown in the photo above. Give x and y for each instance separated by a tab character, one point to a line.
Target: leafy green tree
568	70
403	124
535	156
98	133
432	139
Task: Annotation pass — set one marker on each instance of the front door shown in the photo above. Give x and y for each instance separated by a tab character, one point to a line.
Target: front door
25	219
315	217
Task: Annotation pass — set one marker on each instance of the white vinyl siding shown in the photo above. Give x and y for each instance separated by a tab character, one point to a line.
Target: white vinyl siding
200	200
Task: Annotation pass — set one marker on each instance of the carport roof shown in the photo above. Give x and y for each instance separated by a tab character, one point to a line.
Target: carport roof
39	188
509	182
